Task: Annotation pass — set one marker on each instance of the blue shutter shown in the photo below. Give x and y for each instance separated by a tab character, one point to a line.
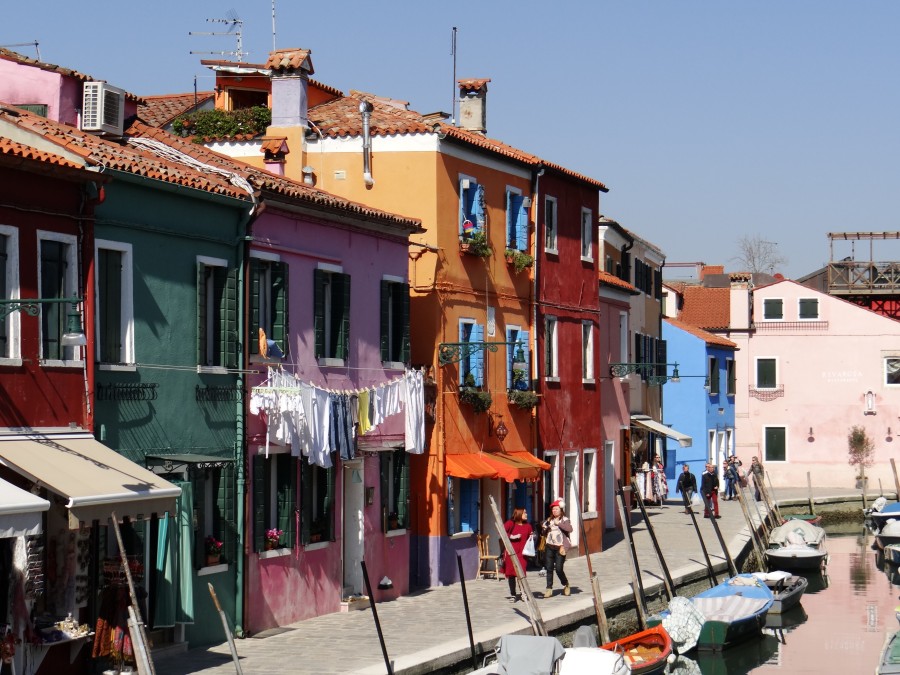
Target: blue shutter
521	494
451	507
468	505
478	207
478	356
523	338
467	209
510	220
465	365
521	225
511	334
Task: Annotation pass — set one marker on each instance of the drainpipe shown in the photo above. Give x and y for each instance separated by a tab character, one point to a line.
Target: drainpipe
366	109
535	356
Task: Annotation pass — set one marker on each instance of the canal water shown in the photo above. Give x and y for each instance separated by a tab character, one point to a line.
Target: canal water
839	627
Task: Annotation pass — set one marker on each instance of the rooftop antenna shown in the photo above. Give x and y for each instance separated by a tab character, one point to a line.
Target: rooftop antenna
235	27
26	44
453	54
274	48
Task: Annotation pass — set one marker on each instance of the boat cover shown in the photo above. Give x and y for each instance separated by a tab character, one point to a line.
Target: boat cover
592	661
797	532
683	624
528	654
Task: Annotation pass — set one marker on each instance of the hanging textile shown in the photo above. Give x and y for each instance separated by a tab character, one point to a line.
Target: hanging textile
414	398
184	612
164	613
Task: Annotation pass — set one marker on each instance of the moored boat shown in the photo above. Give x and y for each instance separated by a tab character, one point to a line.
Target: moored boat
546	656
879	517
811	518
786	588
646	652
892	554
889	534
889	662
796	545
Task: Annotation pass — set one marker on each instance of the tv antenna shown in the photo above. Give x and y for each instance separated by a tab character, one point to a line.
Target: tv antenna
26	44
235	27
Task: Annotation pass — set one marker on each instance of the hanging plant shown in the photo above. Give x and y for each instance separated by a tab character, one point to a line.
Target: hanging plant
518	259
477	245
524	400
474	396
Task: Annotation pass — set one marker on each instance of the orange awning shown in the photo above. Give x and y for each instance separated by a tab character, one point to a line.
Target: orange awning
526	456
469	465
512	468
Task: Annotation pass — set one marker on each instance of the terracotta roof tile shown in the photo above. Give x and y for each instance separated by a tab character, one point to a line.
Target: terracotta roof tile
473	84
274	145
15	57
613	280
12	148
158	111
225	66
706	336
708	308
290	59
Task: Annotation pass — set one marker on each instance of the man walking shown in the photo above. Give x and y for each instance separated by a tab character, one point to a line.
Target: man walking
687	485
757	471
709	487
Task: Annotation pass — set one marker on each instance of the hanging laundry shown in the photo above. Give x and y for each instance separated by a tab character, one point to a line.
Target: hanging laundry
414	397
364	423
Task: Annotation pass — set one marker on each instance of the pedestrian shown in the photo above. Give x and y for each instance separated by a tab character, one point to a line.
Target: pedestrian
709	486
556	531
686	485
758	473
519	529
731	479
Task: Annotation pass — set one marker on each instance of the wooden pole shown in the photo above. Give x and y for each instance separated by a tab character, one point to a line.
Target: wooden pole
599	609
462	583
754	534
637	585
667	578
896	479
775	503
384	652
812	506
227	628
534	614
728	559
770	510
762	521
713	581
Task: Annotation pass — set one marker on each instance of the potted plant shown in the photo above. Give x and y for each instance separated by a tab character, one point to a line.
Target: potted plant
861	453
518	259
473	395
476	244
523	399
273	538
213	550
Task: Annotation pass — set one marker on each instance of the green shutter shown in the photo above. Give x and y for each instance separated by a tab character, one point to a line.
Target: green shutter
280	302
343	350
286	477
404	323
253	324
260	503
385	320
306	495
328	509
401	464
230	320
201	314
228	512
198	491
385	464
319	311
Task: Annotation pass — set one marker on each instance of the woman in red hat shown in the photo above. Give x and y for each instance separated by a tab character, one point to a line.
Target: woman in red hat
519	529
556	530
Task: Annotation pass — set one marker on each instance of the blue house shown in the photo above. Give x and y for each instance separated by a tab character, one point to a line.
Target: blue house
701	401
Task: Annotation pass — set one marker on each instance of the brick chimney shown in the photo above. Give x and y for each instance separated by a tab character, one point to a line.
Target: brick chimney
289	70
473	105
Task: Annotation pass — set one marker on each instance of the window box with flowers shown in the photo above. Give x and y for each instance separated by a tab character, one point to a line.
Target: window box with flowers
473	395
518	259
273	538
213	550
475	244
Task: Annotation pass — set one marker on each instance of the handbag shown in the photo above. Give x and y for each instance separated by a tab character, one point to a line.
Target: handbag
529	550
542	544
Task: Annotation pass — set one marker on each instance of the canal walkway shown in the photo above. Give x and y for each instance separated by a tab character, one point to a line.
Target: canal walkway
426	631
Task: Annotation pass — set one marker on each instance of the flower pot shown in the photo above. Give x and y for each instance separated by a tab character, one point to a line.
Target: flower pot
213	559
271	545
510	260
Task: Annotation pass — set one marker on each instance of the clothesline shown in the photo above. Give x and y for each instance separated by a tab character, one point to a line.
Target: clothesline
263	389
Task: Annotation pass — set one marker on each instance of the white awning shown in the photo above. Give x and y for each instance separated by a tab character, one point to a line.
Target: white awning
95	479
643	421
20	511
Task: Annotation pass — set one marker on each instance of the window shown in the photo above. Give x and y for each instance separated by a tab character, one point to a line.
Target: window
214	509
268	302
892	370
766	374
550	485
551	351
274	498
394	489
643	277
731	375
471	367
587	235
57	279
775	444
115	308
712	372
394	321
462	505
9	288
587	352
773	309
317	514
516	221
332	315
518	340
471	207
550	225
808	309
589	482
216	314
623	337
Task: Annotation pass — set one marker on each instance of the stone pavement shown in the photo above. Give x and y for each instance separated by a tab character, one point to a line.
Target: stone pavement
426	630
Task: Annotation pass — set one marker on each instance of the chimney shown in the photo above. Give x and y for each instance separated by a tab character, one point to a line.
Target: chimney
289	70
473	105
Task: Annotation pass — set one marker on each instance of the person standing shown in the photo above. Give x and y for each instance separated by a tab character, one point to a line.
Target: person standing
519	529
556	530
758	473
686	485
709	487
731	479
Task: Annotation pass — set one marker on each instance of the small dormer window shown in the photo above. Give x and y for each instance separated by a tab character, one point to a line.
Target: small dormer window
808	309
773	309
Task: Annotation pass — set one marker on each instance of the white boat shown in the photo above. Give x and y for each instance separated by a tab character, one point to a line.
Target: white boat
797	545
892	554
787	589
538	655
890	534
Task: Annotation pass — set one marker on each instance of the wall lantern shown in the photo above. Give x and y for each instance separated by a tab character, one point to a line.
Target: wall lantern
869	403
74	335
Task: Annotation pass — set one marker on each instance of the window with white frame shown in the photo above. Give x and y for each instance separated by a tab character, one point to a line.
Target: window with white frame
471	208
731	376
712	373
331	314
587	352
214	512
587	235
773	309
57	278
317	511
808	309
274	500
394	467
114	303
9	288
551	482
518	373
775	444
766	373
394	321
892	370
268	301
471	366
551	350
550	225
589	481
516	220
216	313
711	446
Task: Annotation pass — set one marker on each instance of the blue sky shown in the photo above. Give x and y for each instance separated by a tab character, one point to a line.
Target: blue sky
708	121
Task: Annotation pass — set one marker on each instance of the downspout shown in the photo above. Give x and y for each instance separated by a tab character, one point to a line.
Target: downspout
366	109
535	357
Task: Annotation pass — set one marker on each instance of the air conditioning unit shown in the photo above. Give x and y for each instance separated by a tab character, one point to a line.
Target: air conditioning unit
103	109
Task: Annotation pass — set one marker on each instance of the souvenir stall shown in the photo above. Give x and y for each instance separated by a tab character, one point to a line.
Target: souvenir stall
59	603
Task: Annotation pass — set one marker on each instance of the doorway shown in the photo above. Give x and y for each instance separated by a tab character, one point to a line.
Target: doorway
491	488
354	500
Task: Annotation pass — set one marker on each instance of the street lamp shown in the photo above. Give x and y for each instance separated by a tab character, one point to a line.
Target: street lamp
74	335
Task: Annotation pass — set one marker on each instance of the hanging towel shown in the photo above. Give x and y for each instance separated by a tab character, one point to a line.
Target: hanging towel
185	537
164	614
364	424
414	421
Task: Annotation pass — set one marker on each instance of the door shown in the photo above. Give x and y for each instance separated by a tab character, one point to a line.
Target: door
609	485
491	488
354	499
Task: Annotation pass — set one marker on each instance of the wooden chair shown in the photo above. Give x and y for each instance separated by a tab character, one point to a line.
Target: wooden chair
485	559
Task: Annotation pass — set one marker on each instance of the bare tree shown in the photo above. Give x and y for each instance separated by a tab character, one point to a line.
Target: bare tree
755	254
